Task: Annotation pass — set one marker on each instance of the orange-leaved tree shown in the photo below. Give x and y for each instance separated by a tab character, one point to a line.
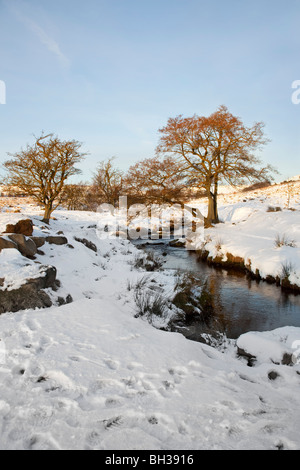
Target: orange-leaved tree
41	170
214	149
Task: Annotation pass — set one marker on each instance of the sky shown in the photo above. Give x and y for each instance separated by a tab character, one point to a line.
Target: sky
109	73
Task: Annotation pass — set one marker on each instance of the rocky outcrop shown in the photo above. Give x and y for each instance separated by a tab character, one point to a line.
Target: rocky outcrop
26	297
31	295
28	246
264	349
51	239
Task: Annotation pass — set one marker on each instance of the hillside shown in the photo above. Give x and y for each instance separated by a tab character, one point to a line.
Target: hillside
93	374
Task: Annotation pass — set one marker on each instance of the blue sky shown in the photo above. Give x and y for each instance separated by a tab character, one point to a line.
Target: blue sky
109	73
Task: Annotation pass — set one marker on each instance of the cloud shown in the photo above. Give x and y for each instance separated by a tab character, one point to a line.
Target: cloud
36	29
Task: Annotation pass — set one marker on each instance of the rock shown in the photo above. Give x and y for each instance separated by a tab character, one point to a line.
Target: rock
56	240
31	294
264	348
234	261
272	375
51	239
26	297
47	278
177	244
242	352
67	300
25	245
270	279
23	227
5	244
39	241
87	243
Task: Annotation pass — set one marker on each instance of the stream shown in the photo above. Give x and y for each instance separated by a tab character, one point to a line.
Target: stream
239	304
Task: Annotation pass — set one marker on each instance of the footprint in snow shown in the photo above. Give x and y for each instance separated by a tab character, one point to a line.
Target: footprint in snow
33	325
75	358
44	344
112	402
93	439
134	365
112	422
112	364
41	442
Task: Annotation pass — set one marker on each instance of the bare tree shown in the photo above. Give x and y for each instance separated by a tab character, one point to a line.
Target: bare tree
73	196
215	148
41	170
107	183
157	181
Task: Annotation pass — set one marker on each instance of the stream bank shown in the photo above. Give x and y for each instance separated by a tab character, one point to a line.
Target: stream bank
241	303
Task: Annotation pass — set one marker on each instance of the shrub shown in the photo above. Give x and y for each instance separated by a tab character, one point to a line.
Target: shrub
150	262
274	209
282	240
286	269
192	297
148	301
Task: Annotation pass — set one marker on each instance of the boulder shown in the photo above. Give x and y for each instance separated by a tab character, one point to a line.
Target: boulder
5	244
265	347
56	240
51	239
31	294
25	245
177	243
23	227
39	241
90	245
26	297
47	278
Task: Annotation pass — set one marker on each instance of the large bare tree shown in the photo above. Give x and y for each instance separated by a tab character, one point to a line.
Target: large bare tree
214	149
41	170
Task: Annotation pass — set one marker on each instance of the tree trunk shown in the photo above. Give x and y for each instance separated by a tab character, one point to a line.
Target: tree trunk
47	213
212	213
216	201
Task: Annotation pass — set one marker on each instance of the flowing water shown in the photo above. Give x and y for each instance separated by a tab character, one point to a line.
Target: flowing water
239	304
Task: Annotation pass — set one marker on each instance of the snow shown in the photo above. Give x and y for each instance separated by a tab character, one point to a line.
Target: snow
251	224
270	346
16	269
91	375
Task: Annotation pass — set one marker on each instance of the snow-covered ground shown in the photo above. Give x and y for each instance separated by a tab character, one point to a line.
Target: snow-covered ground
90	375
261	226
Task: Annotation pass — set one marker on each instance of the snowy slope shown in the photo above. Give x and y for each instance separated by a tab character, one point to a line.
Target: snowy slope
89	375
252	225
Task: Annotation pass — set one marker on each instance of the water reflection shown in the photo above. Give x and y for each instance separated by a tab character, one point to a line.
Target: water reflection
239	304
